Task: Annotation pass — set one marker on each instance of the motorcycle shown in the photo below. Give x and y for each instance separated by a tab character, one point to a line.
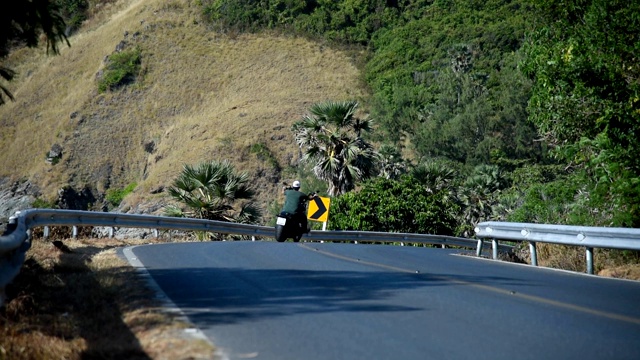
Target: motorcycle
292	227
289	227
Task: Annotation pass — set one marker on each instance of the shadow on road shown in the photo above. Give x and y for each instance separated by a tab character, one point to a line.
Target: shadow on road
233	295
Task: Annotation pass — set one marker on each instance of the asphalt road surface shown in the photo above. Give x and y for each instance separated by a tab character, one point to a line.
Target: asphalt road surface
268	300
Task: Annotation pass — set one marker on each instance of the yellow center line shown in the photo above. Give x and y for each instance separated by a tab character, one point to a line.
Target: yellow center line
350	259
538	299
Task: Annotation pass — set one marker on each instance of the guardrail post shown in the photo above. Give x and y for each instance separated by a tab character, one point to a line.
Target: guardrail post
479	247
155	233
494	247
45	232
110	232
590	260
74	232
534	253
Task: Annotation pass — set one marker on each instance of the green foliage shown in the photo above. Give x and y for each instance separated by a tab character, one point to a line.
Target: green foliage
479	196
448	80
74	12
115	196
394	206
122	68
213	190
333	144
247	15
528	175
40	203
437	175
549	203
391	165
585	99
352	21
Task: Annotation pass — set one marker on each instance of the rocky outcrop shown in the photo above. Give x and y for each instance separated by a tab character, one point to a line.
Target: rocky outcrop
71	199
16	196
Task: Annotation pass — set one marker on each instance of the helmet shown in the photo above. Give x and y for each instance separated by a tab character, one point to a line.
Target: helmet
296	184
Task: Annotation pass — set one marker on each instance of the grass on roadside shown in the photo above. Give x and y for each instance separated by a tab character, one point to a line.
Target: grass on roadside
80	300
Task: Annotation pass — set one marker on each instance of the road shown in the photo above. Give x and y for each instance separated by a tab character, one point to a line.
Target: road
268	300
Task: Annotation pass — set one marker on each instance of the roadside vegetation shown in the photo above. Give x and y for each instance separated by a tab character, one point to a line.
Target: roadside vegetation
77	299
416	116
528	101
213	191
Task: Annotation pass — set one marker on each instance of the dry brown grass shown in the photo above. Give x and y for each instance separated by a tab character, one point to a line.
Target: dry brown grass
201	96
624	264
89	303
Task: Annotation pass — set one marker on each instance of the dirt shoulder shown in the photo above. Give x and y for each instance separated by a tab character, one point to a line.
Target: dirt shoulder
77	298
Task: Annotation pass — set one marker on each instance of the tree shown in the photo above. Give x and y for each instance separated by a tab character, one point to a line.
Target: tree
394	206
585	103
445	83
23	23
391	163
436	175
211	190
331	137
479	196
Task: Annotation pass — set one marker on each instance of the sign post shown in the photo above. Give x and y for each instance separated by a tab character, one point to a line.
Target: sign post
319	210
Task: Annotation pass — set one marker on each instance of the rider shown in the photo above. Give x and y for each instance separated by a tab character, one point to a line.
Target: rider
295	203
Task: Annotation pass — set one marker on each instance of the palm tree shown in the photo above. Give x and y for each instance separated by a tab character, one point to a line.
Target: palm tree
331	137
29	22
436	175
210	190
391	163
479	195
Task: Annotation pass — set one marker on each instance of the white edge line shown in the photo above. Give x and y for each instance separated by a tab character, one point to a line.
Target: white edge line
167	303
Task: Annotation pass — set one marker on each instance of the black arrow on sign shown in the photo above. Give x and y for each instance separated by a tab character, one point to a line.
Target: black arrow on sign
321	208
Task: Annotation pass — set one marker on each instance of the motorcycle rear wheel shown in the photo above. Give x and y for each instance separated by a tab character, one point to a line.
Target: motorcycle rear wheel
280	233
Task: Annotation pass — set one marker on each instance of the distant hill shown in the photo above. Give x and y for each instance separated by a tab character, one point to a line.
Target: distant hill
200	96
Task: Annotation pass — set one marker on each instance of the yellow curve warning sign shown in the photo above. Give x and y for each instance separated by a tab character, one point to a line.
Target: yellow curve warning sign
318	209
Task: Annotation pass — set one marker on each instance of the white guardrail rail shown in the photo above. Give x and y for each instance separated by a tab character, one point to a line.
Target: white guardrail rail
585	236
16	240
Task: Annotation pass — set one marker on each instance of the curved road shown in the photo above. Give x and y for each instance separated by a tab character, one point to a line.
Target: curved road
268	300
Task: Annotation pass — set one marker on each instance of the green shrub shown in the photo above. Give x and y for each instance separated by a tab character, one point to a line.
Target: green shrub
115	196
394	206
39	203
122	68
74	12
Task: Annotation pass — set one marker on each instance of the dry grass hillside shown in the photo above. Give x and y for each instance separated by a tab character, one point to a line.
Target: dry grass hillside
201	96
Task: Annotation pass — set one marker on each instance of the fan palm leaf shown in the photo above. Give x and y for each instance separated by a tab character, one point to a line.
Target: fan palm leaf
332	143
209	190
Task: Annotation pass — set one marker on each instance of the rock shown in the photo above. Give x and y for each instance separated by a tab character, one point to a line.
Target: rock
16	196
55	154
69	198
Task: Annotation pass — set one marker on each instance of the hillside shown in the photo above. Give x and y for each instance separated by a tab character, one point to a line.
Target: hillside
201	96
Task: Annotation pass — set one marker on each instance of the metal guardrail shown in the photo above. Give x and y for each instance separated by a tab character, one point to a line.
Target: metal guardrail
16	242
587	236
